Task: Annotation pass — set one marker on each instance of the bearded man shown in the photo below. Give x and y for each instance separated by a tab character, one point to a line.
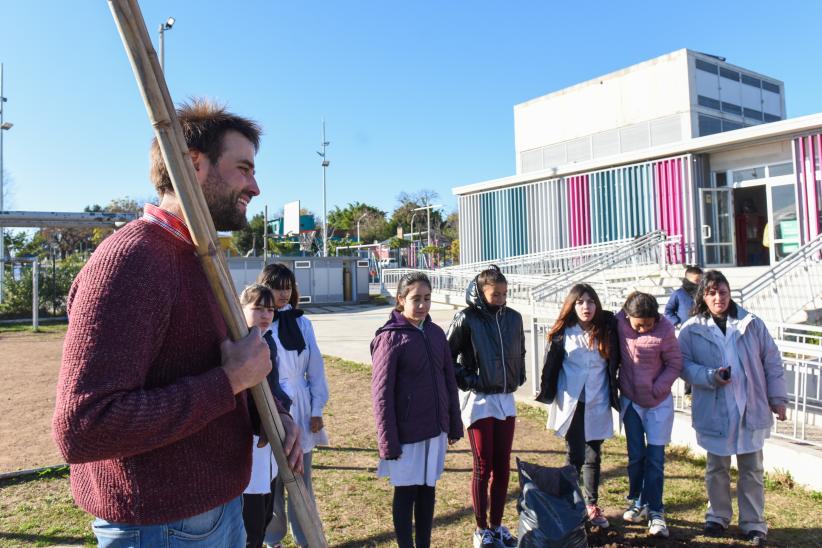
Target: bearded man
151	408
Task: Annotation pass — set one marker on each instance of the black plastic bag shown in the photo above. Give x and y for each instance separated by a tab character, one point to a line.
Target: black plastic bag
551	508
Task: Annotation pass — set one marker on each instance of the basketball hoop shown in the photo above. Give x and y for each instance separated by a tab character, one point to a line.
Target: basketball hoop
307	240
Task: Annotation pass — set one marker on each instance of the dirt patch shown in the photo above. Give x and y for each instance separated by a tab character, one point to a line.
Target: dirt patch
29	364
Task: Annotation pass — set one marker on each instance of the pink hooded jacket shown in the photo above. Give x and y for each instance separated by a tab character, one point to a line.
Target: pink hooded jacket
651	361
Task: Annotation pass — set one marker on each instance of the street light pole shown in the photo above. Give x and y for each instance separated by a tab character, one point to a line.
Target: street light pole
428	211
325	165
162	43
4	126
363	216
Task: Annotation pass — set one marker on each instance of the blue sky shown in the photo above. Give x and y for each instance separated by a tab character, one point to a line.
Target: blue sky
416	94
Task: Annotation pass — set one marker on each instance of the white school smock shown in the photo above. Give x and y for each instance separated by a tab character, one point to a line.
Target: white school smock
658	422
420	463
302	377
738	440
263	470
583	368
476	406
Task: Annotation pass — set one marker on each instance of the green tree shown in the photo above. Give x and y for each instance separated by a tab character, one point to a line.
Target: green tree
250	238
404	213
343	222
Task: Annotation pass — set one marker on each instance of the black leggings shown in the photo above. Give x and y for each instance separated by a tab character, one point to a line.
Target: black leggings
417	502
584	455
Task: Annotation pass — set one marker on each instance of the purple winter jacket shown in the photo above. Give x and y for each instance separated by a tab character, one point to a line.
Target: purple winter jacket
413	386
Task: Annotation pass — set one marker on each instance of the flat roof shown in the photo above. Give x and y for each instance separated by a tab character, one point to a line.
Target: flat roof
738	138
664	58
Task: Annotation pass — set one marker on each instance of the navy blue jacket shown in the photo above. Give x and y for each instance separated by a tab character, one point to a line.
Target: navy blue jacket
679	306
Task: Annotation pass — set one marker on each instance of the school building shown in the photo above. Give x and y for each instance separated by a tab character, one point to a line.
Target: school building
685	143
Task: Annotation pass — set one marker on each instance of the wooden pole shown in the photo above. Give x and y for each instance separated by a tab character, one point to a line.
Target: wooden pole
163	117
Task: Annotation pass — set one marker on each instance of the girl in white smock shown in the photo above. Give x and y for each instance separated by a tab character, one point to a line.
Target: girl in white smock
302	378
579	380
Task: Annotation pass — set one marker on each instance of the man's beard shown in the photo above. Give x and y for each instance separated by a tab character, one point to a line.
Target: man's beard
222	204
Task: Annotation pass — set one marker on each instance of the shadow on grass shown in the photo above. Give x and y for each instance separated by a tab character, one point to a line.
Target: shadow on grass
58	472
441	520
30	539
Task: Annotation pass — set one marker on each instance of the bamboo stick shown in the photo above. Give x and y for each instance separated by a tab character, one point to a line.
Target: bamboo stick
163	117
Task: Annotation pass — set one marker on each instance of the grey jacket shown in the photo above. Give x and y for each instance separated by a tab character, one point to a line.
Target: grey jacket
759	356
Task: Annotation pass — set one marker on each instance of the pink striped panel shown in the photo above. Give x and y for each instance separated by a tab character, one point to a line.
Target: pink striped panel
669	181
579	210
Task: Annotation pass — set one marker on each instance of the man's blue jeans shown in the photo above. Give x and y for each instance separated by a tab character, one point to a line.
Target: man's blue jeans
646	464
220	527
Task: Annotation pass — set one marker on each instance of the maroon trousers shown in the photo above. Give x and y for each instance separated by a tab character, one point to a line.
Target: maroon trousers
491	440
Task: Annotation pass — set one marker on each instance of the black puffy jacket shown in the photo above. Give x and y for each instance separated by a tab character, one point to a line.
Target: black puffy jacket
555	355
488	348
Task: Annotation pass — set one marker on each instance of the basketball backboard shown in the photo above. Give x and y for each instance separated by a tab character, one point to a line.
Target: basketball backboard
291	218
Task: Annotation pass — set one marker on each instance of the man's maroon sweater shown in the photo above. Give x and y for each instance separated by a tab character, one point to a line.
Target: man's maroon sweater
144	413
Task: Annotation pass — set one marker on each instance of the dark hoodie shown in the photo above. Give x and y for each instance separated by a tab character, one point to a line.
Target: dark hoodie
413	389
488	347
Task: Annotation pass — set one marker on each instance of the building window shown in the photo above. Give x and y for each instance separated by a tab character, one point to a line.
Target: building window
707	102
753	114
706	66
749	174
729	74
731	108
708	125
772	118
751	81
777	170
767	86
728	125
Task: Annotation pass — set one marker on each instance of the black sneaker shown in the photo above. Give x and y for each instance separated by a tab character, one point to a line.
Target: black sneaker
756	538
504	537
713	529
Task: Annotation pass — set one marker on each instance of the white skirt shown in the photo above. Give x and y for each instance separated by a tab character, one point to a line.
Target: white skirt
421	463
263	470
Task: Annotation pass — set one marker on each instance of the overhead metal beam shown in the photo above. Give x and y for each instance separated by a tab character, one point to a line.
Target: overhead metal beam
57	219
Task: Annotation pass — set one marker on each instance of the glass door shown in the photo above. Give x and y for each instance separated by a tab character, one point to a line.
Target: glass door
717	227
783	227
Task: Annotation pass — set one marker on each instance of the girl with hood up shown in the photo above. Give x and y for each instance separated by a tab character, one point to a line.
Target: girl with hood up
488	344
414	394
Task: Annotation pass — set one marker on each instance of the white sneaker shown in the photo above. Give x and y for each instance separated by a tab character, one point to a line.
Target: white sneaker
635	513
657	526
484	538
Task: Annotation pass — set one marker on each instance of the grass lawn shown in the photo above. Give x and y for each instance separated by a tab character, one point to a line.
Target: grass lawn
356	506
46	326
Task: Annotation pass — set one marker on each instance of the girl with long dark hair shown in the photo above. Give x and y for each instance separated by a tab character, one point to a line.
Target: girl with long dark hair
302	377
579	379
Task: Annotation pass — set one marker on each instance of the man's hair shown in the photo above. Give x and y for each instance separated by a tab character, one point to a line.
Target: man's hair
693	269
204	124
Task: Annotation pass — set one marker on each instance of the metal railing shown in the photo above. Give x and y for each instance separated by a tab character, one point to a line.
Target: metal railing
801	357
456	283
650	249
544	262
784	291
